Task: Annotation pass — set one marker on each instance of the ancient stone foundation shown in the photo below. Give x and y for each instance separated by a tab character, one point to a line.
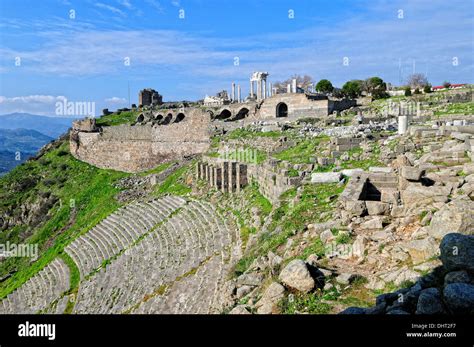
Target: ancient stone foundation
226	176
141	147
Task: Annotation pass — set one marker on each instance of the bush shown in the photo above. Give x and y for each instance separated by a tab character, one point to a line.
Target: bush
417	91
427	89
324	86
352	89
407	91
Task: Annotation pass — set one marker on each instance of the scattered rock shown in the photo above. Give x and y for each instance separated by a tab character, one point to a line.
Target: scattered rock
375	208
460	276
372	224
326	236
455	217
325	177
457	252
347	278
296	275
429	302
240	309
421	250
267	304
411	173
250	279
459	298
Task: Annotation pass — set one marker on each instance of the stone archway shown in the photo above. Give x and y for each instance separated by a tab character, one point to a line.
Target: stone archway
179	117
243	112
282	110
225	113
167	119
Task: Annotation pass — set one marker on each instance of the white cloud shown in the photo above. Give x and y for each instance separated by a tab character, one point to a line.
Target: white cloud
116	100
156	5
201	60
126	3
35	104
110	8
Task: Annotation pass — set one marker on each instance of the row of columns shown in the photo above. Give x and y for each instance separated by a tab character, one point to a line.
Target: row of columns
225	176
262	92
233	92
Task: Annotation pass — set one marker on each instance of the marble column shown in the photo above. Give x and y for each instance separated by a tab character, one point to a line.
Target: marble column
264	89
233	92
238	93
294	85
402	124
237	177
259	89
288	88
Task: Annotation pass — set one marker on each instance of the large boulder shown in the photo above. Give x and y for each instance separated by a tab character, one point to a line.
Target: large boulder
326	177
355	207
460	276
415	193
429	302
459	298
268	303
455	217
296	275
411	173
457	252
375	208
421	250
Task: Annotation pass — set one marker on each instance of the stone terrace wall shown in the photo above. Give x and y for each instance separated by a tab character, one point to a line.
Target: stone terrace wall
299	106
141	147
272	180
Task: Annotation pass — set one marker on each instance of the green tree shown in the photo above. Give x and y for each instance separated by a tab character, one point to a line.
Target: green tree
376	87
427	89
324	86
352	89
407	91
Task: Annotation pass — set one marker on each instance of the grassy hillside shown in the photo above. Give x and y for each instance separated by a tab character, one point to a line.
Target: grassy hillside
73	196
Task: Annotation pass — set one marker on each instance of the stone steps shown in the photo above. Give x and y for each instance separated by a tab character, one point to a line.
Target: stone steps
118	231
189	246
39	291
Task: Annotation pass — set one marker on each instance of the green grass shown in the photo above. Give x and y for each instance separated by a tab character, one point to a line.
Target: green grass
86	196
160	168
245	133
465	108
355	162
304	152
316	247
305	303
127	117
343	238
292	219
74	274
259	200
175	183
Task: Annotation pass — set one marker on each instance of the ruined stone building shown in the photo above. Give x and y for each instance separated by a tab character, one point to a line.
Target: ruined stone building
148	97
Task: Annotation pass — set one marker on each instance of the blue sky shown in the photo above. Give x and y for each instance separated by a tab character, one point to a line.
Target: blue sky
82	58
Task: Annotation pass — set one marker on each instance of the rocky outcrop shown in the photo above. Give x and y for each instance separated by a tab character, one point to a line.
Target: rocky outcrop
456	216
449	289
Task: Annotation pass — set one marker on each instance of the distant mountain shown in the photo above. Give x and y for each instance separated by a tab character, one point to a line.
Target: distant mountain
50	126
18	145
